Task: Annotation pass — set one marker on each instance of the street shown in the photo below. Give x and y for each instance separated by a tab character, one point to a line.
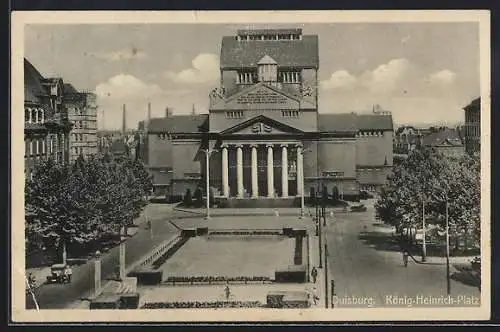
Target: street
59	296
363	265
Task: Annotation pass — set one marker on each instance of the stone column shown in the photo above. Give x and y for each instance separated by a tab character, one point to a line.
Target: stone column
239	170
284	171
225	172
300	170
270	171
255	182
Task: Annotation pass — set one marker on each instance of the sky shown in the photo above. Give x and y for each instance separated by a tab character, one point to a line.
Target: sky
424	73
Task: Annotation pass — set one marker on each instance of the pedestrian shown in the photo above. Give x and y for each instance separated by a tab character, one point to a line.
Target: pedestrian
314	274
227	291
315	295
31	281
405	257
68	272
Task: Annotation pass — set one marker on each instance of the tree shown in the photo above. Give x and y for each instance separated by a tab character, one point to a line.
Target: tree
85	202
428	176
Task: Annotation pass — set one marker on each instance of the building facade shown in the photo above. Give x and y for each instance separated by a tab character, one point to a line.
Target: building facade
82	112
473	127
446	141
264	135
46	124
406	139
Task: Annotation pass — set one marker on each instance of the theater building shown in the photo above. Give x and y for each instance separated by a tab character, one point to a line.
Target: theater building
265	136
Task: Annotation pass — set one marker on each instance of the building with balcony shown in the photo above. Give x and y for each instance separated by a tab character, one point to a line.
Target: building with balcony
46	124
473	127
82	112
266	136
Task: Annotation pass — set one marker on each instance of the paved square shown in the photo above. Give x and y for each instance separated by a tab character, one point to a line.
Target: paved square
231	256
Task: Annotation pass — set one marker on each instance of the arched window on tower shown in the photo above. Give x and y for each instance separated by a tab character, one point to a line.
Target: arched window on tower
27	115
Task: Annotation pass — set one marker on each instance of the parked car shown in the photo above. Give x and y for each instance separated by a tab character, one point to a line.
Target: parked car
57	274
358	208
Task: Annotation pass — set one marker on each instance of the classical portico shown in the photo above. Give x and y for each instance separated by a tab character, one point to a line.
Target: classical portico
257	169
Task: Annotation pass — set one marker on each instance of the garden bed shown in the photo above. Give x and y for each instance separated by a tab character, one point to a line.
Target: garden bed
202	305
216	280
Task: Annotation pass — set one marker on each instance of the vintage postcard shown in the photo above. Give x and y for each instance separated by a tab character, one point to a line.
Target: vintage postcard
250	166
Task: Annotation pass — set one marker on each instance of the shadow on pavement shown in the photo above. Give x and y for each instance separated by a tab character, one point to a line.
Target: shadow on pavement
466	278
380	241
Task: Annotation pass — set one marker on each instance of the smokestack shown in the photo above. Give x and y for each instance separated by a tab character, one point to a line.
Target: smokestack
149	112
124	120
193	110
168	112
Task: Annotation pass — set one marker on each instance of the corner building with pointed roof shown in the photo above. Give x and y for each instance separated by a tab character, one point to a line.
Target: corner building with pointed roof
267	141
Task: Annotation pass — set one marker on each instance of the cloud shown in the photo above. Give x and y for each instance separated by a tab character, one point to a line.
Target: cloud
125	86
410	92
444	77
125	54
205	69
386	78
340	79
135	94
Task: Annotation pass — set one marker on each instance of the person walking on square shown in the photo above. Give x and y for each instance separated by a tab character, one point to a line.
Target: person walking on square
315	295
405	257
68	272
227	291
314	274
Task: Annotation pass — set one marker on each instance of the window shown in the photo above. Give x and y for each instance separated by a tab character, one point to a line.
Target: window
246	77
234	114
41	115
290	114
37	151
27	115
43	146
290	77
34	116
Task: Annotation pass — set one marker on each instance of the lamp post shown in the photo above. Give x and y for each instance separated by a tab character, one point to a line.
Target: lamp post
424	246
208	152
447	251
97	274
301	175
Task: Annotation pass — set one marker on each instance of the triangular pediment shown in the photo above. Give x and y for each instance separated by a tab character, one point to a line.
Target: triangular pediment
261	125
259	96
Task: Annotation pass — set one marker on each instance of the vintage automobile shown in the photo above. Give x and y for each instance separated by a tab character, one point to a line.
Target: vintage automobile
358	208
57	275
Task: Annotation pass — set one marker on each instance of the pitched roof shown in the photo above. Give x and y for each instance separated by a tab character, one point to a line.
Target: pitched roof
266	60
474	105
446	136
375	122
68	88
33	87
337	122
180	124
288	53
